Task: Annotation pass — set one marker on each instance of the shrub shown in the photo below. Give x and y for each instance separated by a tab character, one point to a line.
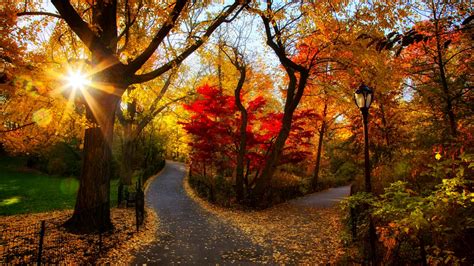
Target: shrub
434	226
61	159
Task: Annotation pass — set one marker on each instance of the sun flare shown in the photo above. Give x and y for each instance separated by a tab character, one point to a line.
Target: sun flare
77	80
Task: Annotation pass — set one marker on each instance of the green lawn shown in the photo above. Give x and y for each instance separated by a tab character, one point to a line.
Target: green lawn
23	190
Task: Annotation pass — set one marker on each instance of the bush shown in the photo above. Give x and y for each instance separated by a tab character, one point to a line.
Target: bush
56	166
61	159
435	226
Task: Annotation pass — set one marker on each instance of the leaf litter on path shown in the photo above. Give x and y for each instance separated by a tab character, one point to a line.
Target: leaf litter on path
296	234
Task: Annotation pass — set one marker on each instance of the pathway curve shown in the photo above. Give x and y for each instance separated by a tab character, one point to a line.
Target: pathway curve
323	199
188	234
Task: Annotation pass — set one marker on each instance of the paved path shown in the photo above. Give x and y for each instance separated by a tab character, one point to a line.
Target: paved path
323	199
188	234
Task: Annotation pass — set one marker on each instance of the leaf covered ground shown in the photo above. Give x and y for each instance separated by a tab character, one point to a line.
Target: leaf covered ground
20	235
295	234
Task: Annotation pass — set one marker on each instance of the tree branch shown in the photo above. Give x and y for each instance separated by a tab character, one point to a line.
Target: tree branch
180	58
81	29
17	128
138	62
38	13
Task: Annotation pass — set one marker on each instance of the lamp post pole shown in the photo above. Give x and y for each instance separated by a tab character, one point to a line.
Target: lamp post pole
365	114
368	186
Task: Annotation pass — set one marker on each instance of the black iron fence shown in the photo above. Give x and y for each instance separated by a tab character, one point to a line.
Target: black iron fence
47	241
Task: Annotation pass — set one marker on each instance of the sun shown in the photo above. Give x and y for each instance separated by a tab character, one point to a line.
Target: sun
77	80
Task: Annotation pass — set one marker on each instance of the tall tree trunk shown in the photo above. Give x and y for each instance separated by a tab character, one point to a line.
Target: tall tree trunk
320	147
242	149
261	193
442	74
92	210
298	76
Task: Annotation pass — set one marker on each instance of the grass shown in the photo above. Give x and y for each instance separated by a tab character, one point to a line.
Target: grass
23	190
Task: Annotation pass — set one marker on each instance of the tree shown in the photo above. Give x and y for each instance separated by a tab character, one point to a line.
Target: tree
104	30
136	111
438	66
435	54
237	59
217	136
283	27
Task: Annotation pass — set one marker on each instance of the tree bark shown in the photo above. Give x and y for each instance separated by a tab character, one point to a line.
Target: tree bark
92	210
320	147
242	149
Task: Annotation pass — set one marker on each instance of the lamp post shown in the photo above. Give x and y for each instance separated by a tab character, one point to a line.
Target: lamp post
363	98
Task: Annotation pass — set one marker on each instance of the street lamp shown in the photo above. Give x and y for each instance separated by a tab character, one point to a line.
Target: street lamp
363	98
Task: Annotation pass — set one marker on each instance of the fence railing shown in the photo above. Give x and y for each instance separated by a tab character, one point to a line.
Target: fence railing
46	241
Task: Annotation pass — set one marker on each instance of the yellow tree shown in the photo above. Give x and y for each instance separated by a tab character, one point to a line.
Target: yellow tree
103	28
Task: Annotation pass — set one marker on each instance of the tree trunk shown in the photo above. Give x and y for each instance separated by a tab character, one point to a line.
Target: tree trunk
385	127
126	167
320	147
239	176
444	81
128	154
261	191
92	210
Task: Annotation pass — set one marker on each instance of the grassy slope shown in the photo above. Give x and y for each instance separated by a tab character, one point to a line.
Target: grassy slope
27	191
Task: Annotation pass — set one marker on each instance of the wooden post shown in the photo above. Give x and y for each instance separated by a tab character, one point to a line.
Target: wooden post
40	245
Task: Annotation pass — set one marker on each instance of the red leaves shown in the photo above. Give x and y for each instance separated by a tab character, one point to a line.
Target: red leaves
215	124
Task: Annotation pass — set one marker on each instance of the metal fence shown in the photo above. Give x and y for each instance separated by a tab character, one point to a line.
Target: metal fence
48	242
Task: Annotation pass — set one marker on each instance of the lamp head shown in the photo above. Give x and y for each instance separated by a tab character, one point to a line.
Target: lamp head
363	96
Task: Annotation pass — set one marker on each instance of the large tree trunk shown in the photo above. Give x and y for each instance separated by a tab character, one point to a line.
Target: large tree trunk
320	147
298	77
262	191
92	210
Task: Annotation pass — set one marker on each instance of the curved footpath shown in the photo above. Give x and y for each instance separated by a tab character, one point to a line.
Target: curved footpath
188	234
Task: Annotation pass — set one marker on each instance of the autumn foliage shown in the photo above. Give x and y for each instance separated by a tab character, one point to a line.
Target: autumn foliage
214	123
